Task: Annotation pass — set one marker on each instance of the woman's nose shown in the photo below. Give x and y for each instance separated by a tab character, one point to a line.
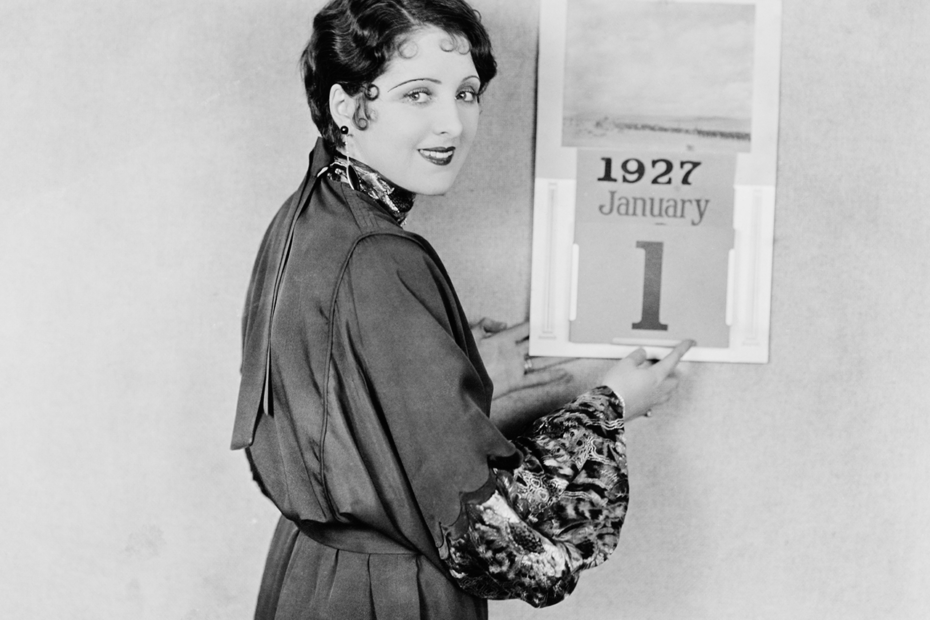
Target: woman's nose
448	120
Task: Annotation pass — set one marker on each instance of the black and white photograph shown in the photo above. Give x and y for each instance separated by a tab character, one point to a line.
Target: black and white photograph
313	310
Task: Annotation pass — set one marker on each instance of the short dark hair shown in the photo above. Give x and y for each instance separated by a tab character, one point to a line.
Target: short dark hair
353	41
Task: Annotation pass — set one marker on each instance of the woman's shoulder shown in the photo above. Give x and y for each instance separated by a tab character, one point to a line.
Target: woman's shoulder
395	253
399	270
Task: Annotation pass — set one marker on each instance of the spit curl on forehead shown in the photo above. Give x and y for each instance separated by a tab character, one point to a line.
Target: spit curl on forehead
408	48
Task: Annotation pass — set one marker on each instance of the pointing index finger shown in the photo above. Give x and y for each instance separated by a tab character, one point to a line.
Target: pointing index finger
667	364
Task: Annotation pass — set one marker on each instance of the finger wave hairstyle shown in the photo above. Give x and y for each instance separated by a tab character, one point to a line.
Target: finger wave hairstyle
353	41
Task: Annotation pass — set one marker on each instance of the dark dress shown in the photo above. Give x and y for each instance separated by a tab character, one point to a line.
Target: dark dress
364	410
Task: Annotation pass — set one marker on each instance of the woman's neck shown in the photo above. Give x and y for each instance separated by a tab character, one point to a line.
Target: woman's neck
397	200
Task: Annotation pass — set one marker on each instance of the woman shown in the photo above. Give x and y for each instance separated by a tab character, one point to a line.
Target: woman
364	401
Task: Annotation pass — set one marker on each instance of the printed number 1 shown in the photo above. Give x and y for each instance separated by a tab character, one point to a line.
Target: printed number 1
652	286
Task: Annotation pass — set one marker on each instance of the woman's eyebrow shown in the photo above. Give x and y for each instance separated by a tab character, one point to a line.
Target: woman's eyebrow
433	80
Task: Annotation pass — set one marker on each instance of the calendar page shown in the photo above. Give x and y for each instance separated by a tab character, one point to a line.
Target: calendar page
653	236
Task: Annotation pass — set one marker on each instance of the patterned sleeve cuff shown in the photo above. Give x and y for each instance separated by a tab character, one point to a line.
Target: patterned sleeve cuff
613	407
555	515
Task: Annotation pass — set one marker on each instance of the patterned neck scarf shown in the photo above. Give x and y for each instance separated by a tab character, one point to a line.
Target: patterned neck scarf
395	199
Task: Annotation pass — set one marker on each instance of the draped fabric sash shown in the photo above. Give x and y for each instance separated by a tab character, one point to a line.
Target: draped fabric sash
255	385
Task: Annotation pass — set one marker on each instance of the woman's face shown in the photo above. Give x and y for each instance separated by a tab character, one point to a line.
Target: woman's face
425	116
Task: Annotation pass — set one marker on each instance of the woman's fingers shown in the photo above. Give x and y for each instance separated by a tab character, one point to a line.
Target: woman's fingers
546	362
666	365
489	326
519	332
637	357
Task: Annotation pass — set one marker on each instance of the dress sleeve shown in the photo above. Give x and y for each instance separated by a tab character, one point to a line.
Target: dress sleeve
558	513
422	375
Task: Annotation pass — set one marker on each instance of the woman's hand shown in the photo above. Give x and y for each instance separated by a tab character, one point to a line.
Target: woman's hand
513	412
525	390
505	353
642	384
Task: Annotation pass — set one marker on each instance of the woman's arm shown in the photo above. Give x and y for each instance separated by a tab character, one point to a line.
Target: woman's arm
527	530
557	514
526	388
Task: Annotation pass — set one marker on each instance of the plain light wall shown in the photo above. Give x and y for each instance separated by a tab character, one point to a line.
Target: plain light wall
145	146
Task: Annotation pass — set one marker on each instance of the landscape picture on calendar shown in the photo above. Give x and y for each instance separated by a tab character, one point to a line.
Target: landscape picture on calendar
668	75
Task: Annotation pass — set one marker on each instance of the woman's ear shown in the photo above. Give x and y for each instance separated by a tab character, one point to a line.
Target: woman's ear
341	106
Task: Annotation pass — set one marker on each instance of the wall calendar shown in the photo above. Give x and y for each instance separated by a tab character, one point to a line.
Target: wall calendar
656	147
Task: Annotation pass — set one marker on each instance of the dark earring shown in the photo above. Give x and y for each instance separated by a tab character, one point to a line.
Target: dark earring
350	171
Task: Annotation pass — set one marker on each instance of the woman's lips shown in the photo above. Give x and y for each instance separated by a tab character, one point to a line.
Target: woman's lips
441	156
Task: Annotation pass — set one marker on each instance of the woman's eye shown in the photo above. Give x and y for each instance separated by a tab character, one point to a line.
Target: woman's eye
468	96
418	96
